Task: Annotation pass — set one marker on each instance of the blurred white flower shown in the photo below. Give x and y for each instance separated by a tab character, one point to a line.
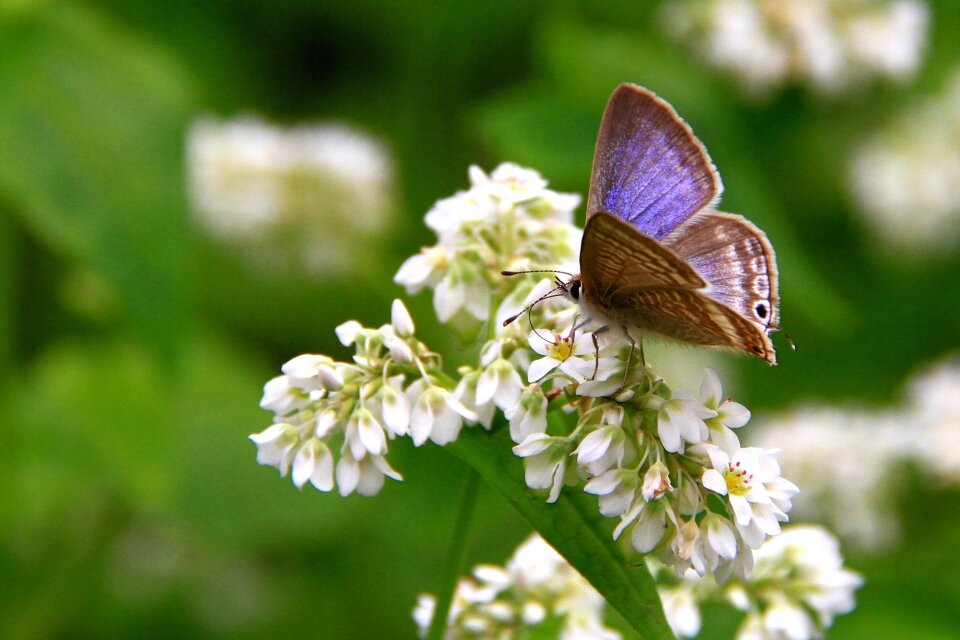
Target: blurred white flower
304	198
831	45
906	179
535	587
846	461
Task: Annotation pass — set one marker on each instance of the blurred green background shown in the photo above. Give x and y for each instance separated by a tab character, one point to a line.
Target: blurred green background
134	346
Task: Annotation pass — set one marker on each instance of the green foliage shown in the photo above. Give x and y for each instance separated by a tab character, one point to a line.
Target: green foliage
134	348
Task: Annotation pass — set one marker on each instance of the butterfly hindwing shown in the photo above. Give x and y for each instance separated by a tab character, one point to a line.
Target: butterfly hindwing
737	261
692	317
649	169
622	259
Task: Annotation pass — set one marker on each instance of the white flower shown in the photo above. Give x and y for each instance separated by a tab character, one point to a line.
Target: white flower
500	383
656	482
462	288
306	197
282	397
466	393
744	479
617	489
423	613
314	462
830	44
311	372
424	269
364	476
730	415
681	608
810	556
603	447
560	352
650	524
437	415
509	182
546	462
364	434
392	408
400	319
277	446
906	179
348	331
681	419
529	416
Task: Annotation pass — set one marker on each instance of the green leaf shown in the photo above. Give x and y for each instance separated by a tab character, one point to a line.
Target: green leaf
91	127
574	527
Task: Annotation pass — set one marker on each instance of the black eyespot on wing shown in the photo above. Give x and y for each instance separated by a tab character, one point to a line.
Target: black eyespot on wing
756	349
761	310
575	290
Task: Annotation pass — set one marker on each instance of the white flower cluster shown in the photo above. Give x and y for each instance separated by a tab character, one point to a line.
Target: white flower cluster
799	585
848	460
392	388
906	179
537	587
508	220
666	463
292	197
830	44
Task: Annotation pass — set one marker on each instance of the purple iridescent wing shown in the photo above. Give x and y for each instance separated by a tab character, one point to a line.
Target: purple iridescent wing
649	169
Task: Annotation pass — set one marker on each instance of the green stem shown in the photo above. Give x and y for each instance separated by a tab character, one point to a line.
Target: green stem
456	556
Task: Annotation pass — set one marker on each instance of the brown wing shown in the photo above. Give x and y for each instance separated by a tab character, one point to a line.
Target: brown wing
693	317
737	261
615	257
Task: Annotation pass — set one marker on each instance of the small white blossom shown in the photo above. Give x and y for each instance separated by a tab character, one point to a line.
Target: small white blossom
529	416
314	462
617	489
681	419
276	446
545	464
744	478
560	351
500	383
437	415
730	415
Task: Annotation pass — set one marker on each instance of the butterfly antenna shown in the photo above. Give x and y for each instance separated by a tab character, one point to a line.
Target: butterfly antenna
517	273
549	294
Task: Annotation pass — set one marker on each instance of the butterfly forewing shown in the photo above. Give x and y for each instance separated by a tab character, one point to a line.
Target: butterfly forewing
737	261
649	169
623	259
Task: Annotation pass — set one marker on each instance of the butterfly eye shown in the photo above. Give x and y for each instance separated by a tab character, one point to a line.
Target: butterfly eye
575	291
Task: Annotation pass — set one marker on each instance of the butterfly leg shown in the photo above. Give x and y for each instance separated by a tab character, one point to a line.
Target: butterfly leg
596	350
633	346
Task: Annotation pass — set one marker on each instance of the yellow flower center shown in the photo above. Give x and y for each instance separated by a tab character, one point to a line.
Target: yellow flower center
738	480
561	349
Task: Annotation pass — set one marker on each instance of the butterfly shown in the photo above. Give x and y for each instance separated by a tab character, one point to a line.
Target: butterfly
655	256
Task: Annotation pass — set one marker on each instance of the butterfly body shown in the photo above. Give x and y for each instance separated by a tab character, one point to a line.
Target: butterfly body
655	256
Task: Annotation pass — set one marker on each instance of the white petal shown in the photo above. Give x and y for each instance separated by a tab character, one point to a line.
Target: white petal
713	480
593	446
347	332
541	367
414	272
733	414
447	298
400	319
348	475
710	389
371	434
649	531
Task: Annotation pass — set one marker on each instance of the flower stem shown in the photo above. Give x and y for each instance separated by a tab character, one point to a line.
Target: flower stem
456	556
